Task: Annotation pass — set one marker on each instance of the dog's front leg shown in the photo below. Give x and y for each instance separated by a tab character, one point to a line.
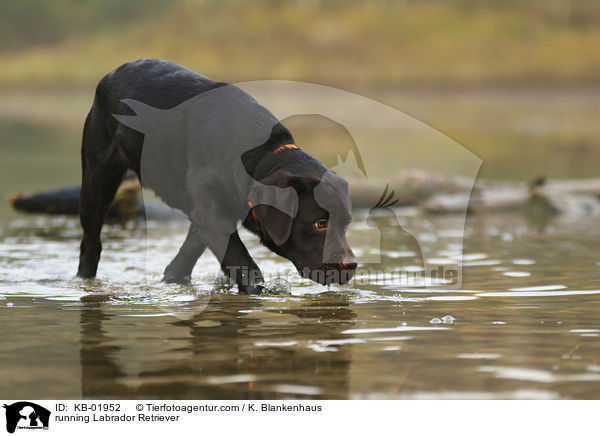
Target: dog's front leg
219	233
239	266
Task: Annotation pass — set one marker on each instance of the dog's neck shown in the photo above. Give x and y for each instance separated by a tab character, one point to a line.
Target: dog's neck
280	152
262	160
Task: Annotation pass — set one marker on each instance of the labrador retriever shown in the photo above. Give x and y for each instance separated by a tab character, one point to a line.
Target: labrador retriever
213	152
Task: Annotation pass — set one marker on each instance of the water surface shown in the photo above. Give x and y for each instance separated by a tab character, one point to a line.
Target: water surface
523	325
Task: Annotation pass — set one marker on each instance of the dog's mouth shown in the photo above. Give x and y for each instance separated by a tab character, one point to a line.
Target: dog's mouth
328	274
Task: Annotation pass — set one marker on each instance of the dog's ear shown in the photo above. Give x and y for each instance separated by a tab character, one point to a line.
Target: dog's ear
275	203
277	224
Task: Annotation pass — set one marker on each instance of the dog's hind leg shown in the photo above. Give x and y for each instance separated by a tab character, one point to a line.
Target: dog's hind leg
103	169
180	268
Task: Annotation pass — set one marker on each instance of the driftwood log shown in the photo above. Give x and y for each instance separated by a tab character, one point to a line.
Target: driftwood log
432	193
540	197
128	203
65	201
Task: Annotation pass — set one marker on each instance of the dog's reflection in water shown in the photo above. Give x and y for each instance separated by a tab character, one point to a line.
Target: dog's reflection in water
235	349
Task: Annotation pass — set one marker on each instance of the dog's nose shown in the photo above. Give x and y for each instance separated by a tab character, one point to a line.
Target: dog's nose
349	262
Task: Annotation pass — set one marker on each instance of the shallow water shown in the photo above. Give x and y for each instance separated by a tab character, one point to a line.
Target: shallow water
523	325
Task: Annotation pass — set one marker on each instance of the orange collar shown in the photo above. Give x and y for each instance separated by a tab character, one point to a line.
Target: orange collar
285	147
253	213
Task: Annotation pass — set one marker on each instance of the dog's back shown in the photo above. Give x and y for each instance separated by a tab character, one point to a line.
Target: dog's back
160	84
177	116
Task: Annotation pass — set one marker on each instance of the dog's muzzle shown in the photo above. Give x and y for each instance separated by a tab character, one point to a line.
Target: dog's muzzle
335	272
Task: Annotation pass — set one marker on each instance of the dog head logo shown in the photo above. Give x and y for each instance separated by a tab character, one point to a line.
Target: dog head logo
26	415
228	123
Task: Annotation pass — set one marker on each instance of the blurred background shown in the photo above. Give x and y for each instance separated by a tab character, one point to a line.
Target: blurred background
516	82
513	81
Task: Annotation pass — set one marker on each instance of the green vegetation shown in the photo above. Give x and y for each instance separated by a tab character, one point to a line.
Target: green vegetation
334	42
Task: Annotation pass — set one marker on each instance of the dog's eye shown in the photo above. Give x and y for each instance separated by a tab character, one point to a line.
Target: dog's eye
321	224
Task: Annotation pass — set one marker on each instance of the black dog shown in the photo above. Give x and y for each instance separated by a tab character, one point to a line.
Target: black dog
211	151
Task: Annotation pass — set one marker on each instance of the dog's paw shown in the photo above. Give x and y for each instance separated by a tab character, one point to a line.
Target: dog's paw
251	290
180	280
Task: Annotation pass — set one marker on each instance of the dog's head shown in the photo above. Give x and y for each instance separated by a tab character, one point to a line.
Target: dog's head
311	233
